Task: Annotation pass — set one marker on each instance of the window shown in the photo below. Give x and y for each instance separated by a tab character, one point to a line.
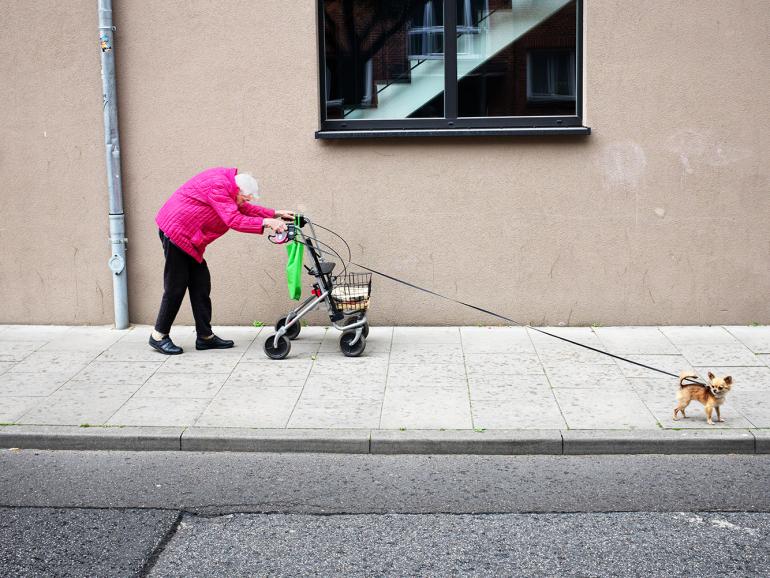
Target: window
435	67
551	76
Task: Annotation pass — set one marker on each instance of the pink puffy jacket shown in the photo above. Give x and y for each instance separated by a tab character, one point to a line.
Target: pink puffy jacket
204	208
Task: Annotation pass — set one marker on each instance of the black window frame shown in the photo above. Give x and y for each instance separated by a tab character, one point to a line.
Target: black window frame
451	124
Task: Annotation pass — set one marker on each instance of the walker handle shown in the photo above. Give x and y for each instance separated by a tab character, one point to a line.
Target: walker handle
280	238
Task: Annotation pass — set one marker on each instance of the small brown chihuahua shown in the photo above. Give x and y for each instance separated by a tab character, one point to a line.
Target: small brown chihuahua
711	396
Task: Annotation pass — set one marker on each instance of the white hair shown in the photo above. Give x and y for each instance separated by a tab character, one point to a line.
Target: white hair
247	184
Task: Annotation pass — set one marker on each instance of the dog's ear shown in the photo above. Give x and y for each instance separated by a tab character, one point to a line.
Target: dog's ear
729	380
711	375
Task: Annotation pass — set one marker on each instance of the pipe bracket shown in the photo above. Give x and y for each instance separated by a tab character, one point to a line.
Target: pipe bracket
117	264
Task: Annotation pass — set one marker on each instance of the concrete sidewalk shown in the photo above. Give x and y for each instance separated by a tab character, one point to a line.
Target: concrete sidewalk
416	389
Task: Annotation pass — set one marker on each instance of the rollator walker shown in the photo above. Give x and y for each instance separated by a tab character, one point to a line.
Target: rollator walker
346	297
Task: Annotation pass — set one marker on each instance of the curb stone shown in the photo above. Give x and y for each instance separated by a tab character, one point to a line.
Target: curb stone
222	439
762	441
691	441
364	441
44	437
502	442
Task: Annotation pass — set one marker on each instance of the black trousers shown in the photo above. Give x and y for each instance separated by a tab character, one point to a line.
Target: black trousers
181	273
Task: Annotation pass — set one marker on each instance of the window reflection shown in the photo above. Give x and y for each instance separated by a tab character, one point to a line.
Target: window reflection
384	59
516	57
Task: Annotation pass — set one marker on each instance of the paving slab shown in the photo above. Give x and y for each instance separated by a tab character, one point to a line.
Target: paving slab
319	387
426	374
512	442
480	364
635	340
336	413
548	343
507	387
263	407
658	442
602	409
12	408
703	335
757	339
11	351
671	363
206	439
426	335
586	376
247	374
753	405
30	384
76	407
117	372
426	408
730	354
429	353
183	385
528	410
496	340
201	362
63	364
84	339
90	438
572	355
652	387
371	364
159	411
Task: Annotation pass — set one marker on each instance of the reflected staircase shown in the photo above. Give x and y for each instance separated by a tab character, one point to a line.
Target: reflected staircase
500	29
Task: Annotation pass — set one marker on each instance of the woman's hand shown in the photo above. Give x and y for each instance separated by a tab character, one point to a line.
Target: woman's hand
276	225
285	215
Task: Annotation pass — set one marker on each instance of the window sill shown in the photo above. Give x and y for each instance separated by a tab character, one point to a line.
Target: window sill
431	132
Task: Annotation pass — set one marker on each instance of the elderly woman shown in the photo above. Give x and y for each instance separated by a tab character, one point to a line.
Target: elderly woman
199	212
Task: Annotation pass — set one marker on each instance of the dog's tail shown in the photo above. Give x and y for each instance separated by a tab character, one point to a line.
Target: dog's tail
685	376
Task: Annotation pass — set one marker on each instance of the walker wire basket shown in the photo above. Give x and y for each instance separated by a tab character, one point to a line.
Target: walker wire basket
351	291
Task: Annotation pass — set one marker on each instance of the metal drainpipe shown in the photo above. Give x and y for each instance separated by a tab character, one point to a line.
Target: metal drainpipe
117	262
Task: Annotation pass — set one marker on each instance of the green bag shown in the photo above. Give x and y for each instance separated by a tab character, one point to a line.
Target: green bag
295	250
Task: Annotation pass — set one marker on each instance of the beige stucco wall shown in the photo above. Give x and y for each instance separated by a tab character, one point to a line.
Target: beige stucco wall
660	216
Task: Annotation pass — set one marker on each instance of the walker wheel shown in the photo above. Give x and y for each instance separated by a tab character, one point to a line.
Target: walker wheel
279	351
355	349
365	328
292	332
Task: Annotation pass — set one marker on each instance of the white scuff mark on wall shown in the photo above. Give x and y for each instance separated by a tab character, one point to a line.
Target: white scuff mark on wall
686	163
660	211
623	164
695	148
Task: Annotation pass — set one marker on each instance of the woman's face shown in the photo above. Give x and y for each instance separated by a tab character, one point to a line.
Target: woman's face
242	197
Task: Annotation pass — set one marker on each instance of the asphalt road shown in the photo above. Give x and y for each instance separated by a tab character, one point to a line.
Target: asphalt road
216	483
620	544
185	514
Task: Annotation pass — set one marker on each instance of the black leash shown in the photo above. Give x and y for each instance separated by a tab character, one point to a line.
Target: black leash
497	315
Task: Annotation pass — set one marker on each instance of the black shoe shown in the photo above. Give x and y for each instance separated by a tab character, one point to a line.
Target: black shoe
213	342
165	346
